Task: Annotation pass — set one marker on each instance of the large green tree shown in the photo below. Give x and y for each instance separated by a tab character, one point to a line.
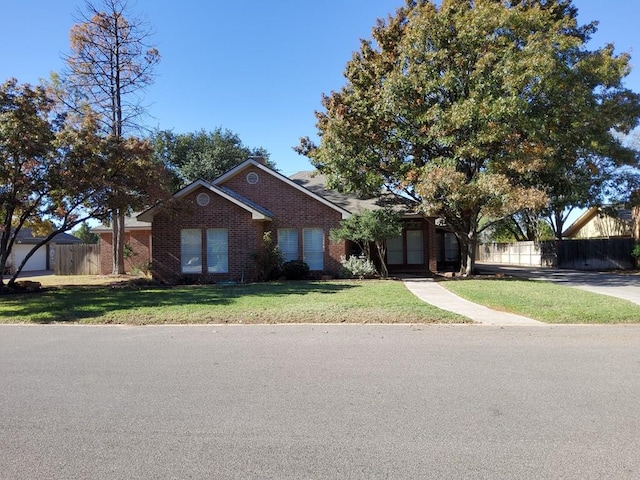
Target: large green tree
110	64
55	167
474	108
202	155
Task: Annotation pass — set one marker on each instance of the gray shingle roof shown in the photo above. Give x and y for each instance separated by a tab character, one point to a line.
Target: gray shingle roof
316	182
25	236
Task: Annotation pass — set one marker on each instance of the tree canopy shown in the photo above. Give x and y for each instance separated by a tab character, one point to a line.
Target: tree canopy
110	64
57	168
479	109
368	227
202	155
85	234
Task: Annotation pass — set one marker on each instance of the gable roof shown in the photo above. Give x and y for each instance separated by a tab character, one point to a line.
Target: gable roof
25	237
316	182
257	213
288	181
623	214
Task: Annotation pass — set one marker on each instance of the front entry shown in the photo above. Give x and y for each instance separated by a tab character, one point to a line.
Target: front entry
408	252
448	251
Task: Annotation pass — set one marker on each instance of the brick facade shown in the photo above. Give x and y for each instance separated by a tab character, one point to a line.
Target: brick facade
138	243
291	208
234	200
244	239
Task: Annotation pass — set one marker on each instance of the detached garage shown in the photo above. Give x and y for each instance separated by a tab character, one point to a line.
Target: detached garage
43	258
38	260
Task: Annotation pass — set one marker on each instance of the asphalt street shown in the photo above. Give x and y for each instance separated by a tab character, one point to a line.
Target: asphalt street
319	401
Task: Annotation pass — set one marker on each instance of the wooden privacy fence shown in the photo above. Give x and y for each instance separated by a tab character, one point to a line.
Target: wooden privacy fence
79	259
596	254
589	254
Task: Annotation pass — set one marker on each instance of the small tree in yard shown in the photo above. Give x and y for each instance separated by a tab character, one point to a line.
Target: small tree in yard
52	168
370	227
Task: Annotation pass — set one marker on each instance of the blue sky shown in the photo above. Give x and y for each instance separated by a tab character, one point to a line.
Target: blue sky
257	68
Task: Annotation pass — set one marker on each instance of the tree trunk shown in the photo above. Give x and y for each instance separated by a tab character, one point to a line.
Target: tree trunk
383	265
468	245
118	242
471	256
3	266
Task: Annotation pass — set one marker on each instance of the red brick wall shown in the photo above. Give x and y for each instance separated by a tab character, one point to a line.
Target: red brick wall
292	209
245	236
106	253
140	243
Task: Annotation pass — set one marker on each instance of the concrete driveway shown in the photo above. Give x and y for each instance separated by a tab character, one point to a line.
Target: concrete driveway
622	285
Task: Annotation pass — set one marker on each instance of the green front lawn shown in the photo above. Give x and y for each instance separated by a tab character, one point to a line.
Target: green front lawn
545	301
371	301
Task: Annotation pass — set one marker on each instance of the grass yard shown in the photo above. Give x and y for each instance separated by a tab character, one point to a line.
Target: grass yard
370	301
545	301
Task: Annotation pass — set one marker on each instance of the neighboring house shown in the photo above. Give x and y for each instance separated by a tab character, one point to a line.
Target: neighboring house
603	222
208	231
44	257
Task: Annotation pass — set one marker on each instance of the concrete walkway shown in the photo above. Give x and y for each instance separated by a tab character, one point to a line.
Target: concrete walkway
431	292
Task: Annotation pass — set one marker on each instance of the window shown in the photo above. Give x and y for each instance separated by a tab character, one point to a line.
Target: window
217	250
395	254
313	248
203	199
288	243
252	178
415	247
191	250
451	248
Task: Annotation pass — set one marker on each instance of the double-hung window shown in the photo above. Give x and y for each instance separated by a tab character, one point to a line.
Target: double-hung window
288	243
395	251
191	250
313	248
217	250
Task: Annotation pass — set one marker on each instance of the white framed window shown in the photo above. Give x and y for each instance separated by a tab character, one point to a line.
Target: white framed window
191	250
288	243
313	248
217	250
395	252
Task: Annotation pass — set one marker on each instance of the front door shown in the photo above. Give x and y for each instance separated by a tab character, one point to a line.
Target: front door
407	252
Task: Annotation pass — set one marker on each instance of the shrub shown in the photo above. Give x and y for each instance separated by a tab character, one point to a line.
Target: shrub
268	260
358	267
295	270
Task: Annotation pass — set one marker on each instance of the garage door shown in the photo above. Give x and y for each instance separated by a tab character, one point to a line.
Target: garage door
38	260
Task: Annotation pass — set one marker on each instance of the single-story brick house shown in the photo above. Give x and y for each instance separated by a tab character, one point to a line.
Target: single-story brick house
209	230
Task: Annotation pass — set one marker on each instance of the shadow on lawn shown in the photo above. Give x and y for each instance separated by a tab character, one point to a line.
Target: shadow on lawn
70	304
